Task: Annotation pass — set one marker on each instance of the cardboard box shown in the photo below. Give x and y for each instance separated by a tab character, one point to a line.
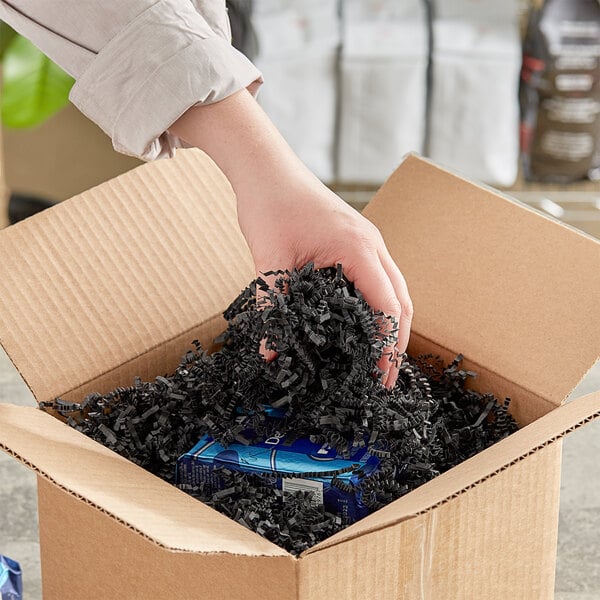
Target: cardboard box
116	283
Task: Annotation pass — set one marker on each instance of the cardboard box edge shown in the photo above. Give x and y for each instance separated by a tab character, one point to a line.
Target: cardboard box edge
539	434
72	392
73	492
578	413
479	367
491	189
379	207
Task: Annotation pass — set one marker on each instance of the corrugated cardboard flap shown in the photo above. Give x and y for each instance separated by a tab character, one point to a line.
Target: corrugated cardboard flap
176	521
545	430
514	291
117	487
119	270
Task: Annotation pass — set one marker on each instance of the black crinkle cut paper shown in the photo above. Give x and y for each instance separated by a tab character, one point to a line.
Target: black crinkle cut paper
324	377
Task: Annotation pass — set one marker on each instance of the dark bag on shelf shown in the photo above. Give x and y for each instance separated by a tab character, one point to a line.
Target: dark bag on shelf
560	92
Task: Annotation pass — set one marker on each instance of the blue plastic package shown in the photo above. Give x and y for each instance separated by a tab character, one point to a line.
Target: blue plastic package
11	583
278	458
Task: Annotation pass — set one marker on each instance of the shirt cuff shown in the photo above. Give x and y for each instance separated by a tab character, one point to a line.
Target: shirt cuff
165	61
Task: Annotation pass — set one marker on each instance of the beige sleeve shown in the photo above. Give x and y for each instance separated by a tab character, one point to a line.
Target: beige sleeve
138	64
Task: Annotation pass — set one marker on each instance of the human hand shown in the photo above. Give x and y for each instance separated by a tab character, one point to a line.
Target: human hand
289	218
309	223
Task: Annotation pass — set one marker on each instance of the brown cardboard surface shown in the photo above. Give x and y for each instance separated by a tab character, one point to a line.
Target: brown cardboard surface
162	359
135	288
129	494
86	554
525	406
492	279
513	513
170	518
122	269
496	542
473	472
143	242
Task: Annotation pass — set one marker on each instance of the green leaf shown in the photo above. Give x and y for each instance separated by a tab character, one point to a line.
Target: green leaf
34	88
7	33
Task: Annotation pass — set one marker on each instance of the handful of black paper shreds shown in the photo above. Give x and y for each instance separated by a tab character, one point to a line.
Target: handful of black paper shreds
324	385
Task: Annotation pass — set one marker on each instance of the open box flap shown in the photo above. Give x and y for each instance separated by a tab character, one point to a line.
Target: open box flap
117	487
118	270
493	279
545	430
167	516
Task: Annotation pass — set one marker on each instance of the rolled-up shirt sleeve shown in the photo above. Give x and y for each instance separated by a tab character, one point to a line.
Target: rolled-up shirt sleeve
138	65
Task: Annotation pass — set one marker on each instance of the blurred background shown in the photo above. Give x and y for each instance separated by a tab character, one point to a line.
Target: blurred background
506	93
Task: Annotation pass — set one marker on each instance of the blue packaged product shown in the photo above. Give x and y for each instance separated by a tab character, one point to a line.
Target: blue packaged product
11	584
278	458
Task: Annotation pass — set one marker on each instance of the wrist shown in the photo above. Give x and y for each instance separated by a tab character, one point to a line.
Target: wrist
243	142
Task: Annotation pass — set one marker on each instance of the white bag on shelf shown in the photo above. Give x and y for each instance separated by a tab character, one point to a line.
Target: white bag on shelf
298	46
474	120
383	87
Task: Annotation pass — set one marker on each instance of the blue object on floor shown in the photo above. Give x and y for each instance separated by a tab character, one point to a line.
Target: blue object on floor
11	584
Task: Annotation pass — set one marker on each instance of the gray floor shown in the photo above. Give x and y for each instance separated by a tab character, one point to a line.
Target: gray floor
578	569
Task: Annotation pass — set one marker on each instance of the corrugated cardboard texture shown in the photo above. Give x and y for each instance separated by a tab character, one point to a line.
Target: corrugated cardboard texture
86	554
162	359
142	261
117	487
135	287
454	550
118	272
172	519
492	279
495	543
470	474
525	406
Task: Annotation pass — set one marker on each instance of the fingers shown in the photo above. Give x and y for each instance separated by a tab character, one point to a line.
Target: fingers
384	288
263	301
378	289
268	355
401	289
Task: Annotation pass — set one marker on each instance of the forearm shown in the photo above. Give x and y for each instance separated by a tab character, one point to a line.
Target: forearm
278	197
138	64
288	216
138	69
242	140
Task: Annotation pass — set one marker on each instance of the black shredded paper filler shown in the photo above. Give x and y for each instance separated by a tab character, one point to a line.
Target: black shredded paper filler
328	341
